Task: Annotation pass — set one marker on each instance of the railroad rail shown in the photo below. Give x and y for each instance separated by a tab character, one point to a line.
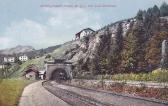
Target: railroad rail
73	98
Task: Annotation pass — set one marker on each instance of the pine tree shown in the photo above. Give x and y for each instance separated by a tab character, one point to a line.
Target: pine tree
102	52
164	9
129	52
114	56
139	15
155	11
133	50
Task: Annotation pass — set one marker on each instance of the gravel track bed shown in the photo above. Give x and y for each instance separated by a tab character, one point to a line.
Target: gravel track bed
73	98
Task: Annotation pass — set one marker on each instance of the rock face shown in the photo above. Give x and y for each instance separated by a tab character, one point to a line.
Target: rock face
164	60
86	53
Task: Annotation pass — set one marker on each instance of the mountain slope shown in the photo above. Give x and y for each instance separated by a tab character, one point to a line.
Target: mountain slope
16	50
41	52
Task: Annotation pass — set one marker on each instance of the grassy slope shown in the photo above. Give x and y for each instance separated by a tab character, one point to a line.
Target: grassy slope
58	53
11	90
39	62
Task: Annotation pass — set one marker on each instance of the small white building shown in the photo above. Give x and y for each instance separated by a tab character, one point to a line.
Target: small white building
42	74
83	33
9	59
23	58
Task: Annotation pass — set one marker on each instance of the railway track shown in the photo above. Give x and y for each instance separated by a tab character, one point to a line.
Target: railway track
86	97
73	98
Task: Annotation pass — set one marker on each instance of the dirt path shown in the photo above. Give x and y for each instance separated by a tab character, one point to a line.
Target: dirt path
36	95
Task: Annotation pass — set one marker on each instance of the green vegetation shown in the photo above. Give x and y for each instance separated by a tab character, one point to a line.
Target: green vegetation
11	90
61	50
48	56
5	70
132	53
164	9
156	76
39	62
139	51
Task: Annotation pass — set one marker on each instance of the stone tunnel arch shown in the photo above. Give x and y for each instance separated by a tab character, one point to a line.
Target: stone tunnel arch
56	70
59	74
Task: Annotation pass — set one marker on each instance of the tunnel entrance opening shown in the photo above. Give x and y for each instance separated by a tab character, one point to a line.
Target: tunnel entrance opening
59	75
58	69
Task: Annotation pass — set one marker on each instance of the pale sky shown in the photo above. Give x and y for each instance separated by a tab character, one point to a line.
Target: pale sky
26	22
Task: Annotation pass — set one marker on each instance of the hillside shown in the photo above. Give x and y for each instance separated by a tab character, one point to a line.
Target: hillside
16	50
130	45
40	52
38	62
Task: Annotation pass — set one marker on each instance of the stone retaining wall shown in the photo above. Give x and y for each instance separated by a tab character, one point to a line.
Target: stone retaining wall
82	82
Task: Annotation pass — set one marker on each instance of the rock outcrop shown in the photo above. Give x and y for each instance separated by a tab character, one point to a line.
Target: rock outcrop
164	60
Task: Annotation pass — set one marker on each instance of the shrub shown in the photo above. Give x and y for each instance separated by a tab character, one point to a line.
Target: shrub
156	75
48	56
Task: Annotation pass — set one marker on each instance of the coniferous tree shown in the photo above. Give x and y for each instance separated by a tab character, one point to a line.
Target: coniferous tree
114	57
133	50
139	15
155	11
18	61
129	52
164	9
